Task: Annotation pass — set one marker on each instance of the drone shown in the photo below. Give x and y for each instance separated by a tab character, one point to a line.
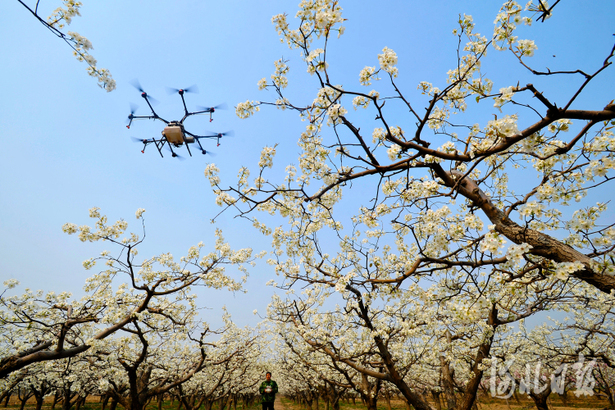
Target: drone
174	134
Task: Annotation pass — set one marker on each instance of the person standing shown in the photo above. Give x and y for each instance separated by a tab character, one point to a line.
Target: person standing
268	390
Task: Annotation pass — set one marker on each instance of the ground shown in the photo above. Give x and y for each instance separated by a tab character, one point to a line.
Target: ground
282	403
574	403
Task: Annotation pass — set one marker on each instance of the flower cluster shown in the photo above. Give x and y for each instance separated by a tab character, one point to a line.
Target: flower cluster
367	74
279	76
267	155
504	96
248	108
334	112
525	48
62	17
315	61
493	242
388	61
565	269
319	17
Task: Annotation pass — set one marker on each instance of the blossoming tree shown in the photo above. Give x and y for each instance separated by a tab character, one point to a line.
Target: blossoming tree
460	228
156	358
125	295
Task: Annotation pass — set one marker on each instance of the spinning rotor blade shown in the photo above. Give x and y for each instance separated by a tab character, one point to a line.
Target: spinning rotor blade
206	152
141	140
221	134
133	109
222	106
191	89
174	154
136	84
145	142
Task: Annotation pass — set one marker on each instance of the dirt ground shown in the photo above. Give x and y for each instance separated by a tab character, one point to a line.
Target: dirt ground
574	403
281	403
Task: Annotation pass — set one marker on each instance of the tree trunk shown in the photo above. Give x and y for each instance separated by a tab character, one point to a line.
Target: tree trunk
540	399
7	398
564	398
336	403
436	399
387	399
516	396
39	402
104	401
56	397
372	403
66	396
448	384
307	402
27	393
207	404
80	401
39	395
469	397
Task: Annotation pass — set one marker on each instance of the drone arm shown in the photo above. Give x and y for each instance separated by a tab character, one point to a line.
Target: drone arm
144	117
181	94
198	137
205	111
144	95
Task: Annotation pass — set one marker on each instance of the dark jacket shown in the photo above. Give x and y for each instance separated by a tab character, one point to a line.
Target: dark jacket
268	397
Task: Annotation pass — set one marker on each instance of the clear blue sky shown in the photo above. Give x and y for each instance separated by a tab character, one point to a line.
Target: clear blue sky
65	147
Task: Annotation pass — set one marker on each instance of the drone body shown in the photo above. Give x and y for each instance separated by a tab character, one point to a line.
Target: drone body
174	134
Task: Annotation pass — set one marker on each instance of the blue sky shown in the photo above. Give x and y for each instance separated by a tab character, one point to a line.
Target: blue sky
65	147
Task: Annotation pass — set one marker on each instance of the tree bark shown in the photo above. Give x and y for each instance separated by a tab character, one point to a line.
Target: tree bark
542	245
469	397
540	399
435	395
448	384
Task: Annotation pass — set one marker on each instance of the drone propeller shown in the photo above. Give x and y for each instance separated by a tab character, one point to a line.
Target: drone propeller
133	109
174	154
222	106
221	134
135	83
141	140
180	91
206	152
